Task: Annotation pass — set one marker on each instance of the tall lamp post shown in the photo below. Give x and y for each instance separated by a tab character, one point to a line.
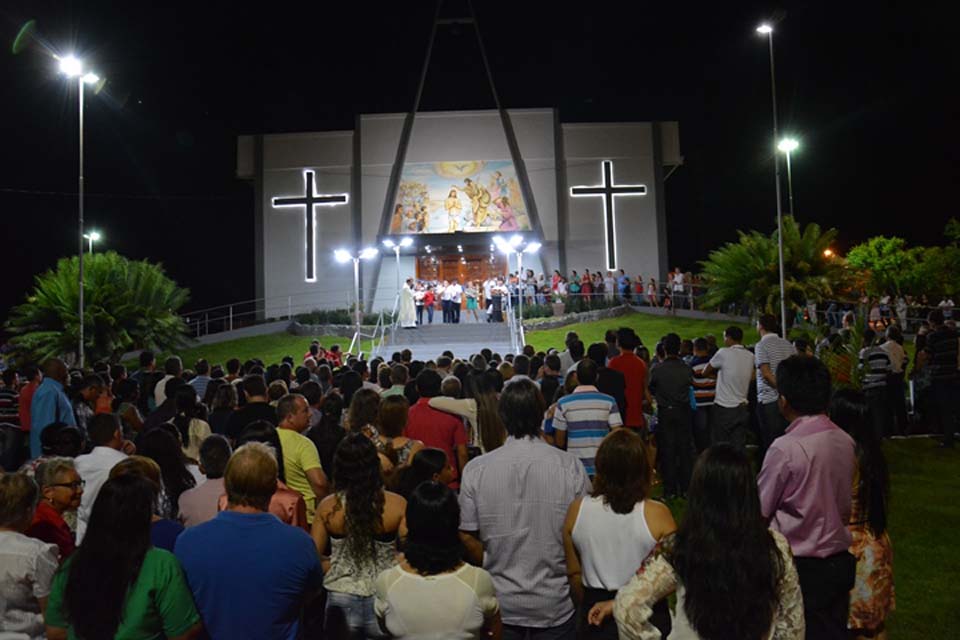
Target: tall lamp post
344	256
73	68
516	245
788	146
405	242
767	30
93	236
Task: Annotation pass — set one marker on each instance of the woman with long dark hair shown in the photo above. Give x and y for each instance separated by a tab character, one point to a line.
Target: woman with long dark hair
162	447
433	592
223	406
363	416
163	531
872	598
116	584
395	449
328	433
427	465
361	523
193	429
608	535
734	577
479	407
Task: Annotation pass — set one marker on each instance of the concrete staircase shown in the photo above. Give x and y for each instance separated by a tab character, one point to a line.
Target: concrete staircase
464	339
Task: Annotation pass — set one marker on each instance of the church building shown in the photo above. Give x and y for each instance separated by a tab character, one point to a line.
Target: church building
574	196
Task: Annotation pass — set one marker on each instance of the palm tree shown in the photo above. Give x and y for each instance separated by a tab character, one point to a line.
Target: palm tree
128	305
748	271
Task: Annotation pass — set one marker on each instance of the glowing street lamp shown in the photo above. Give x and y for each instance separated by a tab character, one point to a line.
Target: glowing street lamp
343	256
93	236
405	242
72	67
788	146
516	245
766	29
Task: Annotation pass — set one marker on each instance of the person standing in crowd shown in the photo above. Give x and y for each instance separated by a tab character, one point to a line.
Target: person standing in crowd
583	418
172	368
94	467
395	449
704	392
877	366
199	505
634	372
941	359
872	598
805	492
608	534
50	403
362	525
498	514
768	354
202	379
734	369
436	428
566	361
257	407
456	299
301	460
609	381
432	592
896	399
32	379
27	565
117	584
670	384
164	530
193	429
734	577
260	597
61	490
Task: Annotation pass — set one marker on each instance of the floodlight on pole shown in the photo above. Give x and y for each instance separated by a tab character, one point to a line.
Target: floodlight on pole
533	247
788	146
406	241
766	29
93	236
72	67
389	244
342	256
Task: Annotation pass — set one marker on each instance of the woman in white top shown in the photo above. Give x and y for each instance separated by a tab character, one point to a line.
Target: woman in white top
27	565
433	593
733	577
609	534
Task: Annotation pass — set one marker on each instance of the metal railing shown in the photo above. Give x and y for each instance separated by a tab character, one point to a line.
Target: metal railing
514	326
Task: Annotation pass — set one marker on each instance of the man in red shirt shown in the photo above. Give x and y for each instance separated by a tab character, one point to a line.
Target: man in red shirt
31	373
634	371
436	428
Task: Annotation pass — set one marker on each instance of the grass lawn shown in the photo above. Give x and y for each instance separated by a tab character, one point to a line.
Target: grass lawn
649	328
271	348
924	516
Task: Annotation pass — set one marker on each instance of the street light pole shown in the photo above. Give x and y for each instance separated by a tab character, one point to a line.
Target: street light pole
80	84
520	283
767	30
789	185
356	293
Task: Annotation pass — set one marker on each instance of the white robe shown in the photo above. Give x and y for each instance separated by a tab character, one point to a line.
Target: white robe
408	312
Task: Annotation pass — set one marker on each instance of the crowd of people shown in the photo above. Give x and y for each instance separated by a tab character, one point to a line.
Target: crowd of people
487	495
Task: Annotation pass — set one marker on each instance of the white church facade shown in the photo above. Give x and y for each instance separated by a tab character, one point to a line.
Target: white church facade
590	194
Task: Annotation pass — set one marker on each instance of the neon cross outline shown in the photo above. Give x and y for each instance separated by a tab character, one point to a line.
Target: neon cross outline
609	190
309	201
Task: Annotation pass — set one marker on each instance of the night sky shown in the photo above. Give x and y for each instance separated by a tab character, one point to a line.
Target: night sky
871	94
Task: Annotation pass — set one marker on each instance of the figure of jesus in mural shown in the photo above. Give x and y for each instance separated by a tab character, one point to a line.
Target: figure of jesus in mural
479	198
452	205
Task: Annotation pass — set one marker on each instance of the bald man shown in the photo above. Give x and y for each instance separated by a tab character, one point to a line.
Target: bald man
50	403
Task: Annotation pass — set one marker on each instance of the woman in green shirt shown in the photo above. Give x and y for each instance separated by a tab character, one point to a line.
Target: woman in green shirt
116	585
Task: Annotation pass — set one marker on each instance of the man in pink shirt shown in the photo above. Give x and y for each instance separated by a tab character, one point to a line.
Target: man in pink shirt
200	504
437	428
806	486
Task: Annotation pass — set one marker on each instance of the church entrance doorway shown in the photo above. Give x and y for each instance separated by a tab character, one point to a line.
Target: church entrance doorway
463	267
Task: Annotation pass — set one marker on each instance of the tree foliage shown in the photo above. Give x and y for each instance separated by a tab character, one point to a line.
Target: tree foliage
748	270
128	305
889	265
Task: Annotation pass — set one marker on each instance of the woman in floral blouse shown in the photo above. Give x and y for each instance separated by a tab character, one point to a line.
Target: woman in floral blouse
733	577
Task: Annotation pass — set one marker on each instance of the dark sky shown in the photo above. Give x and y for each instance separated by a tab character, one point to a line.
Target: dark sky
870	92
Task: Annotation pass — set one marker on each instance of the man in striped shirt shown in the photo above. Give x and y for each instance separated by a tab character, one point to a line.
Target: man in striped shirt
876	366
584	417
704	391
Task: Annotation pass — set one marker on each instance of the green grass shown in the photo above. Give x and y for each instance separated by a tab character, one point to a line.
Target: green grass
650	329
924	518
270	348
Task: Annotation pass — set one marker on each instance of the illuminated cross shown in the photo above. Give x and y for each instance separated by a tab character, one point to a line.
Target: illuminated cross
309	201
609	190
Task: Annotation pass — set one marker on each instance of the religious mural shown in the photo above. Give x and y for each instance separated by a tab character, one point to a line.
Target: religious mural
469	195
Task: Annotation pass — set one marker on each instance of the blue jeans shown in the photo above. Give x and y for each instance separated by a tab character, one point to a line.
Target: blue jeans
358	614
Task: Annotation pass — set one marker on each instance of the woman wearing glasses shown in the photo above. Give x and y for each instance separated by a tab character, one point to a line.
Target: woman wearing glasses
60	491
